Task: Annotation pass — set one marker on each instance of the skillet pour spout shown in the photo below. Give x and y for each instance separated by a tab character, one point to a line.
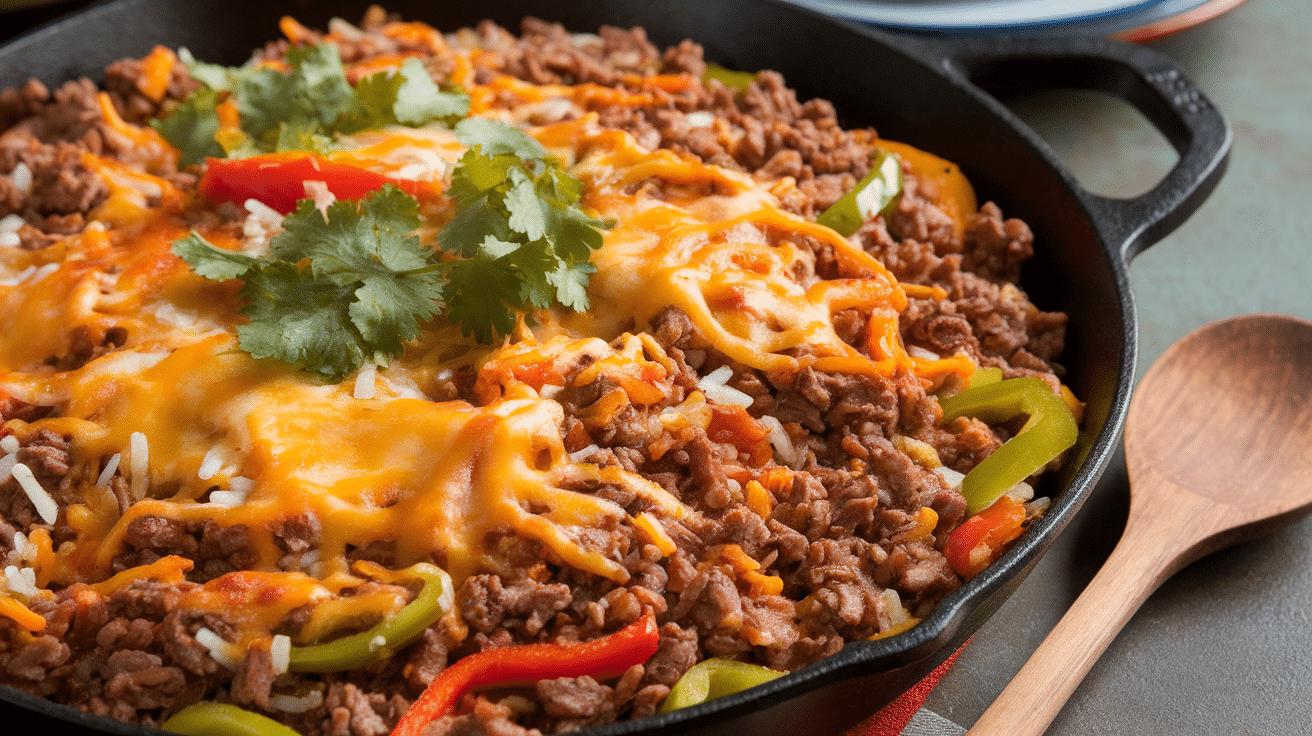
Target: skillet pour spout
932	93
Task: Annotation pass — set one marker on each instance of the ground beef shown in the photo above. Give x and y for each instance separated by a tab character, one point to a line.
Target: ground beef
836	535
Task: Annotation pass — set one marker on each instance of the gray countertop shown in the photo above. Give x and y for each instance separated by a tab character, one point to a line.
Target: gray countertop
1224	647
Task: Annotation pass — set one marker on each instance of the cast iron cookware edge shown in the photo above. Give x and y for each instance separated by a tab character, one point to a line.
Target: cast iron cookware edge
929	92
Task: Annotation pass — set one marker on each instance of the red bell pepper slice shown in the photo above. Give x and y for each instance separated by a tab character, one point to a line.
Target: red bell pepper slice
604	658
278	179
979	541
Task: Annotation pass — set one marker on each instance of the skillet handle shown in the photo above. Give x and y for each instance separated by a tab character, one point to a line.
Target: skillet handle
1142	77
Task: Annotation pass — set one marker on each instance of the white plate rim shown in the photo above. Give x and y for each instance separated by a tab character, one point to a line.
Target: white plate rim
977	14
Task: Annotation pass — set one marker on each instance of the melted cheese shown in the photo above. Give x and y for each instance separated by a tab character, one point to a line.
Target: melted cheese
438	480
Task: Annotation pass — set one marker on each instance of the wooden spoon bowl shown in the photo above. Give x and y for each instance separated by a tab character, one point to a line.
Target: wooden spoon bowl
1218	442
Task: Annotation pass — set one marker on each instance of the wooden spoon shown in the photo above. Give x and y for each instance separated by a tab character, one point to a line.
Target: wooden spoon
1219	449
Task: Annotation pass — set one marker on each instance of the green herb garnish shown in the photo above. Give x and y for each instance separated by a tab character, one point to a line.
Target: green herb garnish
338	290
524	239
333	291
303	109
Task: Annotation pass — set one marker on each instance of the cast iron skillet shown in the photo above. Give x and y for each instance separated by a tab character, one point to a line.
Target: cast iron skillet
926	91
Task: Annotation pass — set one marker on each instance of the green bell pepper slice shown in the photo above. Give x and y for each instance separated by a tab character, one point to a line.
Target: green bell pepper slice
985	376
207	718
358	650
1049	431
729	78
714	678
872	195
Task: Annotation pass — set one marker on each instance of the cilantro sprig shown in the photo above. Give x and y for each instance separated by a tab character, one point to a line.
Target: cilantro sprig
352	284
333	291
524	239
302	109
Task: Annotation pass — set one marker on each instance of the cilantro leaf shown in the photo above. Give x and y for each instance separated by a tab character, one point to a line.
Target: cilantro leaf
523	239
210	261
300	320
571	282
303	108
332	291
419	100
477	292
494	138
192	127
528	213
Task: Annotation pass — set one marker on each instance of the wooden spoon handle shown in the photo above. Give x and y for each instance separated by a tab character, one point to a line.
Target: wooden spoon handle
1136	567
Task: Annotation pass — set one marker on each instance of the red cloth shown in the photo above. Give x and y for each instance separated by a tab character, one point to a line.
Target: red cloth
895	716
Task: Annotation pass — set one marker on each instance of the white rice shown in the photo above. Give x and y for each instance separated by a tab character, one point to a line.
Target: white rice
916	351
404	387
110	468
714	385
45	504
717	377
239	487
323	196
700	119
19	277
21	176
728	395
10	240
11	223
7	464
581	455
378	642
220	650
21	580
210	464
31	274
9	444
280	650
366	382
23	548
295	704
139	464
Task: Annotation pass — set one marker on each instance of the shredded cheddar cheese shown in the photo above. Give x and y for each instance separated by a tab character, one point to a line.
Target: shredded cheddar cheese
239	442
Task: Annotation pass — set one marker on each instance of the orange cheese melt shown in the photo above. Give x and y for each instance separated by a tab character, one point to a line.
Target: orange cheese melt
437	479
